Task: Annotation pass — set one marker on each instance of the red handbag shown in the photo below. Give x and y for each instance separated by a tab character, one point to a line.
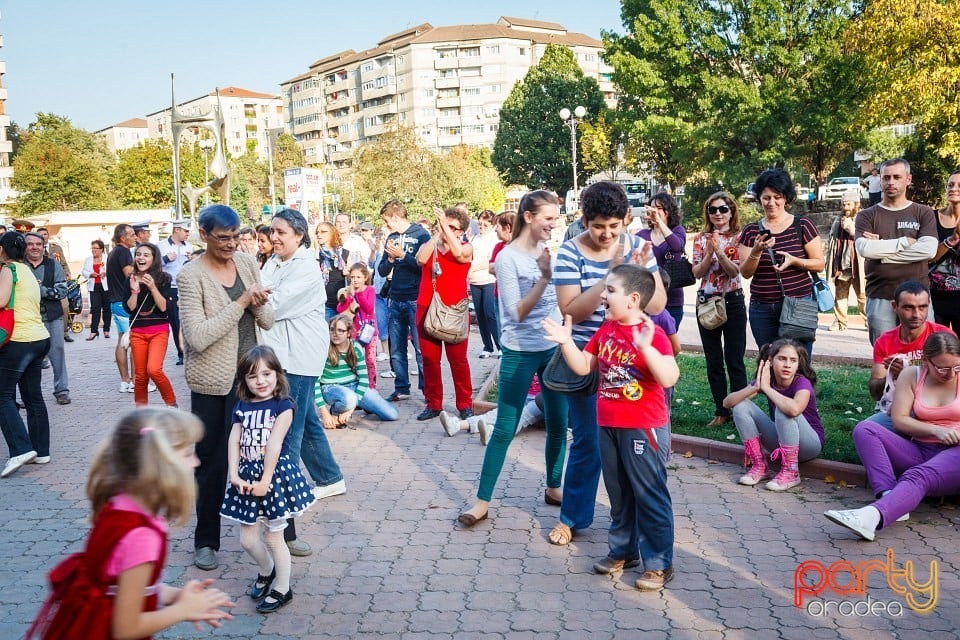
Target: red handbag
6	314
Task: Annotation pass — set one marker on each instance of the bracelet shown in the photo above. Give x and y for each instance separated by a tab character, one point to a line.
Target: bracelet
947	244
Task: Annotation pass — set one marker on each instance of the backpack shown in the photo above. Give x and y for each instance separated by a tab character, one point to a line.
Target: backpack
81	596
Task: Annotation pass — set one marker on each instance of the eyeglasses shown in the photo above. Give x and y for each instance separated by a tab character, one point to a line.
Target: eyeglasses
721	209
455	229
339	330
227	239
945	370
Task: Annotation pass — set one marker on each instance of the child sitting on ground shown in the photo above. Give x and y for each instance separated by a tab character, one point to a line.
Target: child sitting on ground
483	424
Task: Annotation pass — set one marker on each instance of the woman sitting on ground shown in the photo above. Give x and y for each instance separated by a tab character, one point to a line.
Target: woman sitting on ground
922	459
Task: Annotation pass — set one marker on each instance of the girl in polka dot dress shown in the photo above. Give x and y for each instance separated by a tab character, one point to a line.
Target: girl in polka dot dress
266	485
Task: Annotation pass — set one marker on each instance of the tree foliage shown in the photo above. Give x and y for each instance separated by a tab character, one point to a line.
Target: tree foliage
397	165
532	146
61	167
736	87
249	186
143	176
602	144
287	154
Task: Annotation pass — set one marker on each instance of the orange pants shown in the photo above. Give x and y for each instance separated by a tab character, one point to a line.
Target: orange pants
149	348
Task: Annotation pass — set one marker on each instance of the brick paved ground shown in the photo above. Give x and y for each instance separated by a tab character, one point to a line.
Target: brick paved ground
389	563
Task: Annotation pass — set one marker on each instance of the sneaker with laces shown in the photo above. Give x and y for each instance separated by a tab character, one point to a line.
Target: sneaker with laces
330	490
388	374
654	580
614	565
397	396
16	462
151	387
126	387
41	460
850	518
486	431
450	425
383	357
428	414
486	354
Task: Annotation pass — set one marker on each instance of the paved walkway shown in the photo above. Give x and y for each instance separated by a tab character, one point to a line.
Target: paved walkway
388	561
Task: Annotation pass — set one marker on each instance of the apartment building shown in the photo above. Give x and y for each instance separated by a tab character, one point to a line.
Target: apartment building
248	117
7	193
448	83
124	135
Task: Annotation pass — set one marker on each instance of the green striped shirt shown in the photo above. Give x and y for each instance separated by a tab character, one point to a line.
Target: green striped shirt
342	374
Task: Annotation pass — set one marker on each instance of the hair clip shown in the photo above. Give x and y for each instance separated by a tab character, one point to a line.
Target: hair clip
144	430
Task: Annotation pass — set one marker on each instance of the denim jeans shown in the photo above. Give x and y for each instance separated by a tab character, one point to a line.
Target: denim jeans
20	365
582	475
485	311
403	323
765	323
341	398
57	355
307	439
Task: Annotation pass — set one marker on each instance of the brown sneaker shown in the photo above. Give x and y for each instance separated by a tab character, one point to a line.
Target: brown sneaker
654	580
613	565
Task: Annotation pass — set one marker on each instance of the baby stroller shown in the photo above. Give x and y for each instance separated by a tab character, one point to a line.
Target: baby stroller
75	304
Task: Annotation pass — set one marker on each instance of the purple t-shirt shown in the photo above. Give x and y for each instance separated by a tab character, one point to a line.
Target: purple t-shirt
665	321
810	413
675	243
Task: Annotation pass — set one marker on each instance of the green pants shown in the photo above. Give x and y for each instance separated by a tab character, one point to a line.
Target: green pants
516	374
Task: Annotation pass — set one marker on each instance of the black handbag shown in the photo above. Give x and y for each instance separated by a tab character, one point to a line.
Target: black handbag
558	377
680	270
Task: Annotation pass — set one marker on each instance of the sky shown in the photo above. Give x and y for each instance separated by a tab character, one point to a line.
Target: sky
105	61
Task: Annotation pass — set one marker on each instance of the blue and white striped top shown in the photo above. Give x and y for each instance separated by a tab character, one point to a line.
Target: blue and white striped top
574	268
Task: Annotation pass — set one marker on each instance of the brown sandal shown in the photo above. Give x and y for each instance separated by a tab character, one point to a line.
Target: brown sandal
560	535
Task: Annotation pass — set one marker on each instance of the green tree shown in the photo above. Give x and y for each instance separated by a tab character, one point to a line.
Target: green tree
143	177
287	154
248	186
59	166
532	146
736	87
602	144
470	177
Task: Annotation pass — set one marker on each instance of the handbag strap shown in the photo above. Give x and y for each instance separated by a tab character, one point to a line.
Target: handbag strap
436	261
139	309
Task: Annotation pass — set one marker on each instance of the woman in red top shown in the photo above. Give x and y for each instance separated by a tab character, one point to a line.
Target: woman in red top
95	271
453	256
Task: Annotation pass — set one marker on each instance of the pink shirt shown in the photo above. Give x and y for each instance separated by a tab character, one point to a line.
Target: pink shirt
140	546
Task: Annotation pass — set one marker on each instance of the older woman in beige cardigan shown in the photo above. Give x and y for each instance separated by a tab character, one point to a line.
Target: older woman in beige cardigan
222	304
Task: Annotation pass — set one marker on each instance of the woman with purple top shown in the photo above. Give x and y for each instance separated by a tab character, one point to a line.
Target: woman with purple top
665	231
922	459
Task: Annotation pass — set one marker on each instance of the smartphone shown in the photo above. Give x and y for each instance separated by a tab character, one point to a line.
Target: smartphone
765	234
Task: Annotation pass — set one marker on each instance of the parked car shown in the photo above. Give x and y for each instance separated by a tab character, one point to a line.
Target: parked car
751	194
835	189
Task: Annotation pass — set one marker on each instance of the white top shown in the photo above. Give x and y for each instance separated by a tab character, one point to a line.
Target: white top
87	272
300	334
359	250
172	267
483	245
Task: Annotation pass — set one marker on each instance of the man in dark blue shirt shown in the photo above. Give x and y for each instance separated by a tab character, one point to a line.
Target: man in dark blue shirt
399	264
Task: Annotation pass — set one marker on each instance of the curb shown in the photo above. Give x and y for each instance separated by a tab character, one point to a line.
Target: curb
826	470
854	361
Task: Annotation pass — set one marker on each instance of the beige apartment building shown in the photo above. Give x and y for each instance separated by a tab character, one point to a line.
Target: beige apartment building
124	135
448	83
247	116
7	193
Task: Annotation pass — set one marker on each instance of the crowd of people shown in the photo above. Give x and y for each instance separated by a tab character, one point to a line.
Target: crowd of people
281	342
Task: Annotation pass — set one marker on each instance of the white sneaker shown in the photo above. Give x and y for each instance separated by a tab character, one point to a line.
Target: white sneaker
41	460
126	387
414	371
16	462
388	374
486	431
383	357
335	489
902	518
850	518
151	387
450	424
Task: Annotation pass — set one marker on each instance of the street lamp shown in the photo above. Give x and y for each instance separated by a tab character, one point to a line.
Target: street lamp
205	145
572	122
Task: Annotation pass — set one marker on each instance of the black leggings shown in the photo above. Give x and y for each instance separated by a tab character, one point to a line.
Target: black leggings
99	305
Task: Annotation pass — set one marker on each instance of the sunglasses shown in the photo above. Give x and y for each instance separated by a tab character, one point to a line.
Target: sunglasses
721	209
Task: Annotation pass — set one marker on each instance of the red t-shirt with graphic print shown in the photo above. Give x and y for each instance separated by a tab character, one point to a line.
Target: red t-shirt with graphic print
629	396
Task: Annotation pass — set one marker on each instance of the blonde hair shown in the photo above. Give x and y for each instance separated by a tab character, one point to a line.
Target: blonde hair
140	458
333	356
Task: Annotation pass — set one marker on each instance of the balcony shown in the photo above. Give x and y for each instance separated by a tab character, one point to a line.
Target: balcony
448	121
307	127
6	146
445	63
340	156
379	92
374	130
444	140
448	102
447	83
339	85
380	109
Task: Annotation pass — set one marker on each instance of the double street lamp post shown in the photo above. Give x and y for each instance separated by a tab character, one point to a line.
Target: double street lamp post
572	120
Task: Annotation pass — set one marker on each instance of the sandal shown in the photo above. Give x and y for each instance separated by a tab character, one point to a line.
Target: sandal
561	534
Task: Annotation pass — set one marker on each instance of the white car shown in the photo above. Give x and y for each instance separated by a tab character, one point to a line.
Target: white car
835	189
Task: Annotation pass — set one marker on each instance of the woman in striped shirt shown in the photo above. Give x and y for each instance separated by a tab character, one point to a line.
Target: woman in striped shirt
343	386
778	256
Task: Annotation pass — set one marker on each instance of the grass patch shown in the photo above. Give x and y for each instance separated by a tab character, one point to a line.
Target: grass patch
841	391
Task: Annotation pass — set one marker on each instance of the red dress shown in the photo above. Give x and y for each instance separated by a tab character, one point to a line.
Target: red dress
452	287
80	595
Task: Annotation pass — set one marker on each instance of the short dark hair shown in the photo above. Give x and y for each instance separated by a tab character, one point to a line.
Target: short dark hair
393	208
913	287
296	221
604	199
14	245
636	279
119	231
459	214
893	161
665	200
248	364
98	242
218	216
247	230
778	180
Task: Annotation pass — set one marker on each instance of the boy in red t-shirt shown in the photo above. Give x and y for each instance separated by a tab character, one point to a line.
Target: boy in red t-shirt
636	362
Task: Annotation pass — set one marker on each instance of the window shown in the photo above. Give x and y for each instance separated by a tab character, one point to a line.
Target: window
473	110
472	52
471	91
428	93
496	88
399	59
451	92
447	73
492	128
450	112
449	131
428	112
493	49
447	53
469	129
523	51
590	57
367	66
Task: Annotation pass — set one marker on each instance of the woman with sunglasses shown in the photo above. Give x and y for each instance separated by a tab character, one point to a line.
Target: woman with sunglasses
778	252
446	257
922	459
716	262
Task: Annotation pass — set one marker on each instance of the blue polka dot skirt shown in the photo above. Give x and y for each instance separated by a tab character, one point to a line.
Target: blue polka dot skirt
289	495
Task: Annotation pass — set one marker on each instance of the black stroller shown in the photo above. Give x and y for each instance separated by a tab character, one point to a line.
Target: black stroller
75	303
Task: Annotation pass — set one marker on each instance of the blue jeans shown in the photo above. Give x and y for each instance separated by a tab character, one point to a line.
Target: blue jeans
20	366
307	432
382	322
765	324
582	475
403	323
485	311
341	398
641	511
